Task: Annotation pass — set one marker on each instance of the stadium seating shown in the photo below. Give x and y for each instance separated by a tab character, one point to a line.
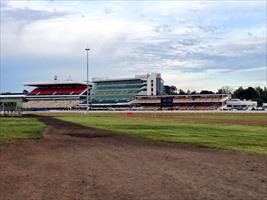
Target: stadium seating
58	91
182	102
50	104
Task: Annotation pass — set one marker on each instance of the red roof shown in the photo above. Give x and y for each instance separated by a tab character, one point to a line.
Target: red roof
58	91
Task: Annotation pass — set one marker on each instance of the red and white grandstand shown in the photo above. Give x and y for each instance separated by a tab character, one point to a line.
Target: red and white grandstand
70	95
55	95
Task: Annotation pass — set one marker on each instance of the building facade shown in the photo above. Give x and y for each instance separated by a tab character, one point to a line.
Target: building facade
237	104
110	91
11	103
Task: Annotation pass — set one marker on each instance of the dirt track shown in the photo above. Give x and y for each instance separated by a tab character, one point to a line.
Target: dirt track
74	162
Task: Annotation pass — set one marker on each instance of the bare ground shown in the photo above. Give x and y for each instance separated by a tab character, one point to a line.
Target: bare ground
75	162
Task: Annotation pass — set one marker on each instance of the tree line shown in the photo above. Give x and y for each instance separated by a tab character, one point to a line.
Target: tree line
250	93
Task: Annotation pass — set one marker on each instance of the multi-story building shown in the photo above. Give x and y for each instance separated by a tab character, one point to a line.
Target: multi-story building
123	90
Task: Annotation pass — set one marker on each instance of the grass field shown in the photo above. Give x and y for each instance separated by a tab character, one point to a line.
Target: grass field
20	128
231	134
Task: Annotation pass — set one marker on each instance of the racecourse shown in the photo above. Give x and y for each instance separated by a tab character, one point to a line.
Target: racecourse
232	131
73	161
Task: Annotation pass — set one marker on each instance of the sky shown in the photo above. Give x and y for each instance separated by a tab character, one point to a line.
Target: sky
195	45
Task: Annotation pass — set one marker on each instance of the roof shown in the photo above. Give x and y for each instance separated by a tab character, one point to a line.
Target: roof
115	79
36	84
12	96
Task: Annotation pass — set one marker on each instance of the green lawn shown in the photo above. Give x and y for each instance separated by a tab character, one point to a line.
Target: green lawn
19	128
219	116
248	138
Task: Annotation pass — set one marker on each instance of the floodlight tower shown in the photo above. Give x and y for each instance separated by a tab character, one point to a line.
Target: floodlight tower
87	79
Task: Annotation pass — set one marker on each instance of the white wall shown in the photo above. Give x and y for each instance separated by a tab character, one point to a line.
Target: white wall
152	78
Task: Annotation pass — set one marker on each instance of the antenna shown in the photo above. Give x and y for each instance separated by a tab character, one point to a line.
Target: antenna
69	78
87	81
56	78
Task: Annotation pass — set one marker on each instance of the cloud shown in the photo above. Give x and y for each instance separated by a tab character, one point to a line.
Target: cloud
26	14
188	42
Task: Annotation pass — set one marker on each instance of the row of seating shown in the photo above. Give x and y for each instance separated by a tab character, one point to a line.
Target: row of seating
140	101
57	91
195	107
178	99
198	97
198	107
197	100
50	104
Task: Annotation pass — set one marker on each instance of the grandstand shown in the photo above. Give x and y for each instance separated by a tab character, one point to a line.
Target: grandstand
138	93
120	91
105	94
143	92
181	102
55	95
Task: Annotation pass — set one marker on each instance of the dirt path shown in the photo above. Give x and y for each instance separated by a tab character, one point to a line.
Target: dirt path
77	163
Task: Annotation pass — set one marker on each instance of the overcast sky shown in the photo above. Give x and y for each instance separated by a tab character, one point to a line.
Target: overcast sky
194	45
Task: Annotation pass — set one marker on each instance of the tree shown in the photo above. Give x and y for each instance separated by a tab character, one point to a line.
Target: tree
225	90
181	92
167	89
264	95
251	93
254	94
238	93
206	92
170	90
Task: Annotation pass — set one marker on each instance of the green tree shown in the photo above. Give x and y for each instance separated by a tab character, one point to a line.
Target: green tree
170	90
225	90
181	92
206	92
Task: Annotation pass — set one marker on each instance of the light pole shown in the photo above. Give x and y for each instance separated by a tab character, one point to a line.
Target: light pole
87	80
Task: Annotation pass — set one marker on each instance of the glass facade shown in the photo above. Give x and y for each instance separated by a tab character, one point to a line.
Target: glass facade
117	91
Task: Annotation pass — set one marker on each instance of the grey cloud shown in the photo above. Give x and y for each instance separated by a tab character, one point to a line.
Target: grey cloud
164	28
107	10
27	14
188	42
195	55
208	28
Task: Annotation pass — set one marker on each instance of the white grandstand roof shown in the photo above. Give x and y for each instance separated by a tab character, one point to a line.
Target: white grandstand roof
12	96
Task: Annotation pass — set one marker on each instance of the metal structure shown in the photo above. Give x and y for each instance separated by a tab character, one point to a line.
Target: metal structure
87	80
